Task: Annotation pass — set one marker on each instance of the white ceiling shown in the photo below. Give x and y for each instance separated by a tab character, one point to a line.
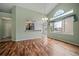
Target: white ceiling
43	8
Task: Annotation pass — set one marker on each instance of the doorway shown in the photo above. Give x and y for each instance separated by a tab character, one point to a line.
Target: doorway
6	27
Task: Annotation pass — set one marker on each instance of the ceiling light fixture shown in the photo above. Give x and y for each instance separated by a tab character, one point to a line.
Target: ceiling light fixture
44	18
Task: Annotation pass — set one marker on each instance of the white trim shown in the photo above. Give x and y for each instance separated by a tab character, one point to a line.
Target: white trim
62	33
65	41
67	13
28	39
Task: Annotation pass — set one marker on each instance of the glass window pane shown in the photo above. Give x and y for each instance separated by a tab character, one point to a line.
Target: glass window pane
58	26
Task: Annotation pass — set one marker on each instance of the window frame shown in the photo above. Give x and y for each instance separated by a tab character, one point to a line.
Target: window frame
74	19
58	28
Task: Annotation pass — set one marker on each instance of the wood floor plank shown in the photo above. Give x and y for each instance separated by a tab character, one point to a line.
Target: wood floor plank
37	47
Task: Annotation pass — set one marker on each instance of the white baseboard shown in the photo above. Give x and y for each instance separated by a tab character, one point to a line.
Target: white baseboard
66	41
27	39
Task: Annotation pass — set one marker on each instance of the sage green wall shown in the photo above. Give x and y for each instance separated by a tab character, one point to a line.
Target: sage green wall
68	38
13	14
23	14
3	14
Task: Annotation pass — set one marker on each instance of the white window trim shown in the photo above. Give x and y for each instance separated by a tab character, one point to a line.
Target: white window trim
55	32
59	32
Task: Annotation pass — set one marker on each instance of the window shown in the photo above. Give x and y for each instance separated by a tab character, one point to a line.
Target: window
58	26
69	25
64	26
30	26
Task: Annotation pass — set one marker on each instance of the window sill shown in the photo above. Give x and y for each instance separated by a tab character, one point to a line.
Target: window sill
63	33
32	30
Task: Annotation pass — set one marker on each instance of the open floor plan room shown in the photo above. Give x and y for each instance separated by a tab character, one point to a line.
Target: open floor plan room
39	29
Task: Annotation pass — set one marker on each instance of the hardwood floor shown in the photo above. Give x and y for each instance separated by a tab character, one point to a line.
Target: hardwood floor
38	47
